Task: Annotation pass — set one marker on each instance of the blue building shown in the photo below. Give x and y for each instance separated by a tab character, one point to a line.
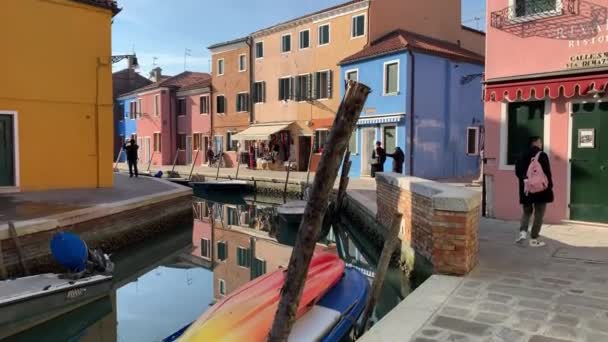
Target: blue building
422	83
126	126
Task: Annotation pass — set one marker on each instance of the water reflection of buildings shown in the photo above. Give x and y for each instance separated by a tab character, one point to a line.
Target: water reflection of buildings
235	240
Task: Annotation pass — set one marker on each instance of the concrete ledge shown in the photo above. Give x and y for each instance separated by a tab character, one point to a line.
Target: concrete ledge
47	223
444	196
404	321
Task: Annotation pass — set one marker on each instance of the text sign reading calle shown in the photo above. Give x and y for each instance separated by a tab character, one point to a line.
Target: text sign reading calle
590	60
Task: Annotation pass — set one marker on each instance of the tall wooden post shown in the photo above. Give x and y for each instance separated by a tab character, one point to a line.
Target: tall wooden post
219	162
193	164
238	165
286	181
344	125
390	243
118	159
343	182
174	162
150	161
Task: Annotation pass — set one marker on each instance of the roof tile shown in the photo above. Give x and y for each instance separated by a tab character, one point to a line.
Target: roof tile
400	40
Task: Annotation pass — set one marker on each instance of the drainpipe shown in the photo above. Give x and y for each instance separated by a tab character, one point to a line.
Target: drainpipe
251	78
412	107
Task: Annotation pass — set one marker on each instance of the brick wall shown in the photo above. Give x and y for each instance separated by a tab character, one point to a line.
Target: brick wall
440	222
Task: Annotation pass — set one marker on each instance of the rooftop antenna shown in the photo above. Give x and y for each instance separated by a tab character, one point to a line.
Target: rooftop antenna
154	59
477	19
187	52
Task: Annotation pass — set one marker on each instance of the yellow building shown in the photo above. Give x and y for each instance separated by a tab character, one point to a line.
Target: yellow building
56	94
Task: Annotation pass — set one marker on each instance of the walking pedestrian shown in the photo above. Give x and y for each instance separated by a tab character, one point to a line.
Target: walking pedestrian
251	156
535	190
210	155
378	159
132	158
398	160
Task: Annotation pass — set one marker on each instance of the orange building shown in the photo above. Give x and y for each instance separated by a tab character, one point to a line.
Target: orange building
231	101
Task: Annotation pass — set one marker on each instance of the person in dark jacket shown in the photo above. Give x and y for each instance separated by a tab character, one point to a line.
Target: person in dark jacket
379	154
132	158
533	203
398	159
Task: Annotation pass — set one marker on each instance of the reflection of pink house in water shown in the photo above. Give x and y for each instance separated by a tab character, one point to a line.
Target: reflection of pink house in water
546	75
202	232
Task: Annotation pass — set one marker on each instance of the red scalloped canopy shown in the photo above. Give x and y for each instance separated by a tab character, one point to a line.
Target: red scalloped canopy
567	87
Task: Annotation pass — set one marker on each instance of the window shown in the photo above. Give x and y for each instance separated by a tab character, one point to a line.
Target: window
258	268
303	88
181	141
285	88
133	110
243	257
320	140
204	104
221	104
222	250
390	138
304	39
242	102
139	108
259	50
286	43
391	78
231	145
525	8
352	75
472	141
323	84
197	141
181	107
222	287
525	120
220	67
157	142
242	63
259	92
206	248
156	105
352	143
219	144
232	216
358	26
324	34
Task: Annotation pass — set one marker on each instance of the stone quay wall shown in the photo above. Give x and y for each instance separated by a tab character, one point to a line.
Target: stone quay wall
440	222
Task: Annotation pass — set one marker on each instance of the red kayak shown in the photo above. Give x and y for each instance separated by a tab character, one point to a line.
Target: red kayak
247	314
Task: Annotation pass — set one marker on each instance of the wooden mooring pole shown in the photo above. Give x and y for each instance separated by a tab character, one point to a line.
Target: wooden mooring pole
217	175
117	160
286	181
13	233
343	182
238	165
316	207
193	164
3	272
150	161
174	162
390	243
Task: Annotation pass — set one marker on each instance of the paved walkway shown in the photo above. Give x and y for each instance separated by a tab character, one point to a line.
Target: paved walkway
32	205
517	293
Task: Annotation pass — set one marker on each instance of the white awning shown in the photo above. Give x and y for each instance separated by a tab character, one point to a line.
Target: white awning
372	120
261	132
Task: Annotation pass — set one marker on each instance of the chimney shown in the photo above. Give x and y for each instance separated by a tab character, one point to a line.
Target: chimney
156	74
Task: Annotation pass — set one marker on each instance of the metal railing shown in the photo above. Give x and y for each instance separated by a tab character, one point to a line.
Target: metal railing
530	10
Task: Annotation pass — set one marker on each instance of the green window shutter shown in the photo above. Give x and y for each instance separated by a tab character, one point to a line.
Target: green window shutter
222	251
526	119
330	77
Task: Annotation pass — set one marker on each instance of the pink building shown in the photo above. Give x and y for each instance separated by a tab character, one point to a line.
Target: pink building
173	120
546	75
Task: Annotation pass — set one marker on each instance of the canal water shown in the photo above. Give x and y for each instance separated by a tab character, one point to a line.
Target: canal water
165	283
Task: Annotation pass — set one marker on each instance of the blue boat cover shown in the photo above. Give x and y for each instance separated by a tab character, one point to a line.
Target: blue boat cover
348	297
70	251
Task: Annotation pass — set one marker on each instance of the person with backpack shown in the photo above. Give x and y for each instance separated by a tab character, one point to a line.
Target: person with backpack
535	190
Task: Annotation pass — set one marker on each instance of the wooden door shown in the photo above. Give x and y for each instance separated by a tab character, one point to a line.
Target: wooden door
7	151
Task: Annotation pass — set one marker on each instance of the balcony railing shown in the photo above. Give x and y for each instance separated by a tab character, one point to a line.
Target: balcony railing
531	10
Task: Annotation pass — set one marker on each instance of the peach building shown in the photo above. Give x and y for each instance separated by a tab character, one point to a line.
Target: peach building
231	102
546	75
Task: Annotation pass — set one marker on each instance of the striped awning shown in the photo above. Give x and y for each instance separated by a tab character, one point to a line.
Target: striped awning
369	120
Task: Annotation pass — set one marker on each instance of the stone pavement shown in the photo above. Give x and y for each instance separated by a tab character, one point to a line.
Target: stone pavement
32	205
553	294
517	293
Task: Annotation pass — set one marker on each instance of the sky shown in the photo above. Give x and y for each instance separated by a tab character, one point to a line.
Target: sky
160	31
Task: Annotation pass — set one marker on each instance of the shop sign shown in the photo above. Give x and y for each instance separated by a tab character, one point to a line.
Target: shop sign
589	60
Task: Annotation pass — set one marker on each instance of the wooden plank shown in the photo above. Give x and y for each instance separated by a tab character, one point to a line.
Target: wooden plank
3	272
13	232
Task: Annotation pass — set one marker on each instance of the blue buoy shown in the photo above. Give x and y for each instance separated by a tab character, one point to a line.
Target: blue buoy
159	174
70	251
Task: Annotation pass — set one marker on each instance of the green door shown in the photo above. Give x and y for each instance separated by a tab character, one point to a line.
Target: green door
589	163
7	158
